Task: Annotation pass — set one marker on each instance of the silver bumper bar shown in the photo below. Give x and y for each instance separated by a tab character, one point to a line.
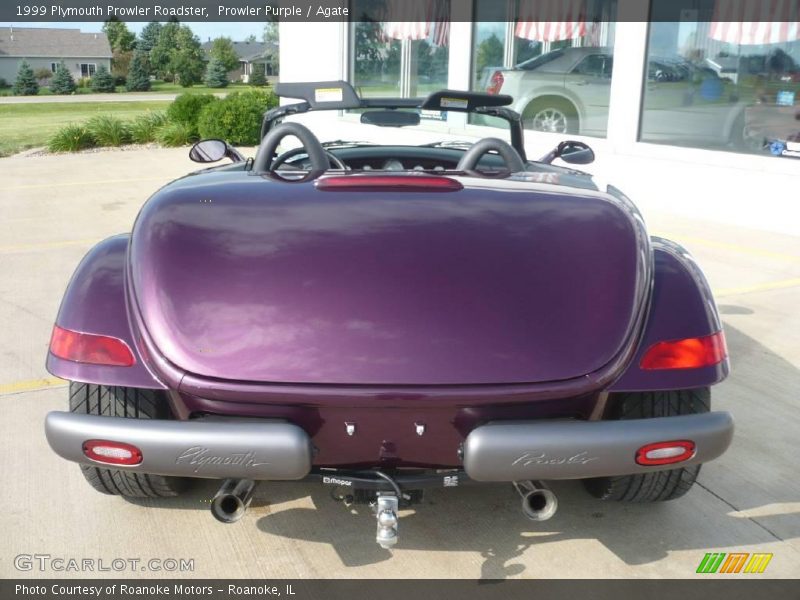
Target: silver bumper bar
211	447
519	451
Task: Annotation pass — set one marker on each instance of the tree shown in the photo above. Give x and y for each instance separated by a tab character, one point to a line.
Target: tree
257	76
178	55
119	37
216	74
222	49
161	53
120	65
271	33
148	37
250	39
139	73
188	61
62	82
103	81
25	84
490	54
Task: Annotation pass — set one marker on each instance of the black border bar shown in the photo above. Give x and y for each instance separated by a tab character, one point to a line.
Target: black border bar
739	588
31	11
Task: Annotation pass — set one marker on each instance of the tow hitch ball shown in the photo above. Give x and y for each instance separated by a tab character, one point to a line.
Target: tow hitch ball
386	515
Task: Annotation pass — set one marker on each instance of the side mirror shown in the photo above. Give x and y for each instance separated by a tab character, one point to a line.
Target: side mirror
576	153
209	151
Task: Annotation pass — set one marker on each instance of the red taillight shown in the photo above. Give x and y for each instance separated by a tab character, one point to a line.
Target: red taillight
397	183
90	348
495	83
665	453
689	353
112	453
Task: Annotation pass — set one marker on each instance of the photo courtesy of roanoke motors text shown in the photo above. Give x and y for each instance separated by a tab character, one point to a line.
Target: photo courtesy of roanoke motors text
400	298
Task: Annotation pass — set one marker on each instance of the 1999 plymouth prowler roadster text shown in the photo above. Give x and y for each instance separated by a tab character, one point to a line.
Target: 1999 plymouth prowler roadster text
389	318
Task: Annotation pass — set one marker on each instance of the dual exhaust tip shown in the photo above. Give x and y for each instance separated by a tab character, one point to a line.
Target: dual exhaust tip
538	502
234	497
231	501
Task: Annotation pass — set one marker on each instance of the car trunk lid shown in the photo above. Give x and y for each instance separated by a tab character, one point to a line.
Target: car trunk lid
240	278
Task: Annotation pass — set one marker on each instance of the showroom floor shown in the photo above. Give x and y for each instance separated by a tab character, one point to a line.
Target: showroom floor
55	207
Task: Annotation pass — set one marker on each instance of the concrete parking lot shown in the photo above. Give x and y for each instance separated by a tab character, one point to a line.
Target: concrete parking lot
53	208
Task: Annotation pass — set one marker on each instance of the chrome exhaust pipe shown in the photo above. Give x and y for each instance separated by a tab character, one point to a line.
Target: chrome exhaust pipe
232	500
538	502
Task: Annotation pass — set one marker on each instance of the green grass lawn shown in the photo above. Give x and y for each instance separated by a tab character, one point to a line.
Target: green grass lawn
158	87
30	125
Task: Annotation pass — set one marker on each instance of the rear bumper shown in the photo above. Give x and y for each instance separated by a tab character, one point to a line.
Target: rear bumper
211	447
263	449
505	451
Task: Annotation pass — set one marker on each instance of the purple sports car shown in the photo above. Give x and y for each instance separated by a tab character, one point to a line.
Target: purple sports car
386	318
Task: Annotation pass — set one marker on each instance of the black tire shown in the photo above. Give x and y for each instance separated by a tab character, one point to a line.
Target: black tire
658	485
130	403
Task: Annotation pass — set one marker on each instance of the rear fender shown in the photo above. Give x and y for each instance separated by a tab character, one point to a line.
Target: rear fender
95	303
681	307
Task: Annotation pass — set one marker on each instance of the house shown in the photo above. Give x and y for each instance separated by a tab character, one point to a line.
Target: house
82	53
251	53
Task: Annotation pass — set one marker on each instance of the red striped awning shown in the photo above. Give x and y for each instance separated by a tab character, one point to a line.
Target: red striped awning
750	22
551	20
418	20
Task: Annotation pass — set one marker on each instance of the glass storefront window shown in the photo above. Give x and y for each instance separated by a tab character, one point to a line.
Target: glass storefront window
554	59
398	57
720	84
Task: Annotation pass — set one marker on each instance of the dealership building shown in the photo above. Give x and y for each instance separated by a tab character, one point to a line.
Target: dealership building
707	89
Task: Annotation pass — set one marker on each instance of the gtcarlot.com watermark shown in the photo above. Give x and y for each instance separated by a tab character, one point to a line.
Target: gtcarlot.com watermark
46	563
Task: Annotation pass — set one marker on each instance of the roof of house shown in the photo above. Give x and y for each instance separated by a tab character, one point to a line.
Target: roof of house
30	42
247	51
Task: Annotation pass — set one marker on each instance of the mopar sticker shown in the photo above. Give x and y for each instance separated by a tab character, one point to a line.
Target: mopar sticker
336	481
328	94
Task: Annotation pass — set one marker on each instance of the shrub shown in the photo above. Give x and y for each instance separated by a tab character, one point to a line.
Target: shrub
103	81
237	118
108	130
25	84
3	83
143	128
62	82
71	138
257	77
43	74
216	75
138	79
175	134
186	108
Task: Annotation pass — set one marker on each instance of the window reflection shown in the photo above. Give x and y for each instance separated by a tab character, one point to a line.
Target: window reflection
406	52
720	80
554	58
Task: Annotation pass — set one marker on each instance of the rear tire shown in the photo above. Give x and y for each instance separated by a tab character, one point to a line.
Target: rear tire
132	403
658	485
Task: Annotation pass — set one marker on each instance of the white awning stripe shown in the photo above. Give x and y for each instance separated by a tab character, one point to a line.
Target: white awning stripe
751	22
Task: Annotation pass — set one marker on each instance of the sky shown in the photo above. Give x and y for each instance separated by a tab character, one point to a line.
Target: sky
203	30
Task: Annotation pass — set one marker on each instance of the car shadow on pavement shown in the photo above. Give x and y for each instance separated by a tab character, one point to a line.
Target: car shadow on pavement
487	519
